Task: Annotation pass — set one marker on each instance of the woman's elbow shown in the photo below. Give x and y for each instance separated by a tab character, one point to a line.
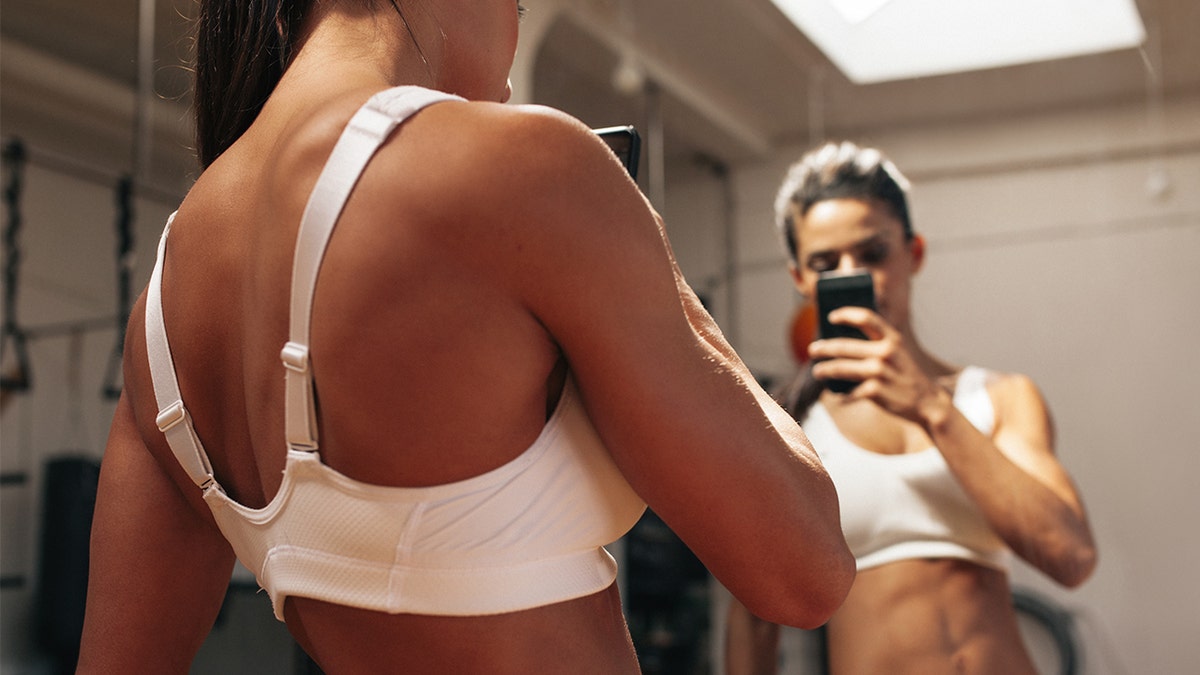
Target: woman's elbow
809	600
1077	567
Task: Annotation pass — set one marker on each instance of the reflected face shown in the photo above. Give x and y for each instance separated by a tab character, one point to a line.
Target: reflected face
846	234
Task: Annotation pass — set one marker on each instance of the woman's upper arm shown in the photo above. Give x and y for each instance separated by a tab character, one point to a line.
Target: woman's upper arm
158	568
1025	434
1066	550
685	421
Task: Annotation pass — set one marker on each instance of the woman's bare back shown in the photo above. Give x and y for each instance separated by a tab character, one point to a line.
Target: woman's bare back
425	373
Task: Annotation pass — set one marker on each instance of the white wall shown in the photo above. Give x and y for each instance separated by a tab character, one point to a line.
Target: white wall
1054	251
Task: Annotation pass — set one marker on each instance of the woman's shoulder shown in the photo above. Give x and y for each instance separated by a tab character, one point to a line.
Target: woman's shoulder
499	145
490	122
1012	394
506	170
997	382
1000	385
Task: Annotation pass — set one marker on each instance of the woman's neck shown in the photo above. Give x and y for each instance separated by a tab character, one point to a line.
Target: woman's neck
932	366
356	47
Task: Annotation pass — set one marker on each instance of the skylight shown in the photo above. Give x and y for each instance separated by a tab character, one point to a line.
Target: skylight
881	40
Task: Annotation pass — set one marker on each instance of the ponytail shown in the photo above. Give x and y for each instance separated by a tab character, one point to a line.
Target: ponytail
800	394
242	49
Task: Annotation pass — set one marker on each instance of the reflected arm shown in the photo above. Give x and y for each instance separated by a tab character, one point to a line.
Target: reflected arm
1015	477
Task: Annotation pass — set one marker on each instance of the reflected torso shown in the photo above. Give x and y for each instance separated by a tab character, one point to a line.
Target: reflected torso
926	616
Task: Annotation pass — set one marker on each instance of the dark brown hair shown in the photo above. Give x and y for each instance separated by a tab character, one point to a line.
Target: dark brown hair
242	49
798	396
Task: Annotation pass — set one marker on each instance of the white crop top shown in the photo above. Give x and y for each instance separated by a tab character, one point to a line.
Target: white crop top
900	507
527	534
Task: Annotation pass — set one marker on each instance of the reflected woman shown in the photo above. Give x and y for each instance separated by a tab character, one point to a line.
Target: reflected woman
942	470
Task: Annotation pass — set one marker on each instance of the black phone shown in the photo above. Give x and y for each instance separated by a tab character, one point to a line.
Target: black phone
840	289
626	144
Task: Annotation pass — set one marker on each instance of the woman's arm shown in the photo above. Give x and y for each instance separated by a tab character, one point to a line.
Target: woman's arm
701	442
158	569
1014	476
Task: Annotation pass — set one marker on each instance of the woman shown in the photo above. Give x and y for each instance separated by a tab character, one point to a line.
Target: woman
498	361
941	470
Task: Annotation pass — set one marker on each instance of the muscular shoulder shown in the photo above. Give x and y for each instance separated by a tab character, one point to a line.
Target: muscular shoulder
1019	403
1011	386
510	184
484	155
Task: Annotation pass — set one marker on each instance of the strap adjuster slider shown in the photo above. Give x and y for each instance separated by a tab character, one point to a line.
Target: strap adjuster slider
295	357
170	416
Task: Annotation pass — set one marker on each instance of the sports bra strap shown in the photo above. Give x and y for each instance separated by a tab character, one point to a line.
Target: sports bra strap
367	130
369	127
173	418
972	399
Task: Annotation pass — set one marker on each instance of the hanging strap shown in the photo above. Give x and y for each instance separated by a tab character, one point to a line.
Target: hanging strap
367	130
14	158
125	262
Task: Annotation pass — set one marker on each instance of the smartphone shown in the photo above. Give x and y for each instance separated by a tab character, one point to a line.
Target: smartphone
626	144
840	289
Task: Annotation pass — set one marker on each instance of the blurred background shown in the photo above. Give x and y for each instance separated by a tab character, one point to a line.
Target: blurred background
1060	198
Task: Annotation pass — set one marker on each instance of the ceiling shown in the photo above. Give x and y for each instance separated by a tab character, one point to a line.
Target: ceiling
734	77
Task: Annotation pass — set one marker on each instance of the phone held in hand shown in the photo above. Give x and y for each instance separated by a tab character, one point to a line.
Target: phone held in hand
841	289
626	143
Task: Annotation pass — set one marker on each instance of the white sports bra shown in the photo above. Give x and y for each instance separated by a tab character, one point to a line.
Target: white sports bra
527	534
900	507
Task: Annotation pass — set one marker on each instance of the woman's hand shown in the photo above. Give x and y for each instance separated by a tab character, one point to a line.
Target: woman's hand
883	364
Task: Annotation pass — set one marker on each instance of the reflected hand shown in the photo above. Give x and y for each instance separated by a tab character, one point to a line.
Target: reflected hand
883	364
